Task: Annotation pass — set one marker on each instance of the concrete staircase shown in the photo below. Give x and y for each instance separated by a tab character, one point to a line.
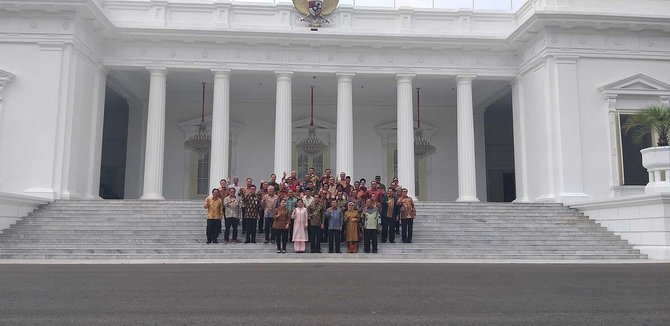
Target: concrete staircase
129	229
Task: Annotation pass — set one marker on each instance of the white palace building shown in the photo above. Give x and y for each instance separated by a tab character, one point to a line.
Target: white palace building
523	100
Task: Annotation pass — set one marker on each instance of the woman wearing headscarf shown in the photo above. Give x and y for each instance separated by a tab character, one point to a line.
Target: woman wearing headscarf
300	223
351	217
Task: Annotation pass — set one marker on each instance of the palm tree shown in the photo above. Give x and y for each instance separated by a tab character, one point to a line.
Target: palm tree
641	124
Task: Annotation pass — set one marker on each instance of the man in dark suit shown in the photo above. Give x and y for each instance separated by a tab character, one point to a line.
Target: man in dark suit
390	213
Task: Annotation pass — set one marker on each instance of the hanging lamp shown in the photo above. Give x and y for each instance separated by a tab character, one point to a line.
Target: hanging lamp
422	146
311	144
202	141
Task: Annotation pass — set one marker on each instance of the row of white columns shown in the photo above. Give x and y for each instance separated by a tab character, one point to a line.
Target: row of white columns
219	158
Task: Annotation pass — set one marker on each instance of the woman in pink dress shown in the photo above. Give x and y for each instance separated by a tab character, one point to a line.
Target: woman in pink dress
300	224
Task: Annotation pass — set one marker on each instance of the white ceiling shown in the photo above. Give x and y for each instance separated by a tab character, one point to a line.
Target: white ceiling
252	86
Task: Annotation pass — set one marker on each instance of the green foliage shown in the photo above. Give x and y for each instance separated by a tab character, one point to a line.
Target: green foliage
641	124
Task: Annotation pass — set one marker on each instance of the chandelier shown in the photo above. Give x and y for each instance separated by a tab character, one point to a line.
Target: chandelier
311	145
202	141
422	146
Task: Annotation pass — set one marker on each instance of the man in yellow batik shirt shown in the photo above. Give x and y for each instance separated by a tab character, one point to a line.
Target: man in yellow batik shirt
214	206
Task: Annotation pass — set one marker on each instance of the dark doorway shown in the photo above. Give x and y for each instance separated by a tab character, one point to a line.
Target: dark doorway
114	141
499	136
509	187
634	174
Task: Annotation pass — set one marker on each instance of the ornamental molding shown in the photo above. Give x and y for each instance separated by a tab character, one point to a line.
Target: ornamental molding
592	43
330	59
6	77
639	84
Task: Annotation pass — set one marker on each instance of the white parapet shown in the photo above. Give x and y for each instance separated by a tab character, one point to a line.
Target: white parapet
13	207
644	221
657	162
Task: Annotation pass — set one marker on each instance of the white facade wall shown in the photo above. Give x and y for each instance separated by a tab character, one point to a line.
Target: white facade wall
30	117
57	53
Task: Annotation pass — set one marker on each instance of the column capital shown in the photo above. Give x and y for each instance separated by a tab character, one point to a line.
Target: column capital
345	75
284	73
221	72
157	70
405	77
465	78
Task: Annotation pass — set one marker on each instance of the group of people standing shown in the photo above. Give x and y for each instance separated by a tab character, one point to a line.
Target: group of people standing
313	209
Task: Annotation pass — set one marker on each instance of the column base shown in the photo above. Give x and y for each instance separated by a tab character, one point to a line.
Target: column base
569	198
152	197
521	201
70	195
546	199
467	199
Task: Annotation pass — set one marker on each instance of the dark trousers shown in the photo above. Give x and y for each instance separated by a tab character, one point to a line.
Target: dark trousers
244	225
397	227
324	232
334	239
282	238
260	223
251	230
231	222
407	229
388	229
370	237
213	230
268	229
290	232
314	239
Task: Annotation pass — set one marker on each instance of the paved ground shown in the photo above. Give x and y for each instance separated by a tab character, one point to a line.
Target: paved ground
328	294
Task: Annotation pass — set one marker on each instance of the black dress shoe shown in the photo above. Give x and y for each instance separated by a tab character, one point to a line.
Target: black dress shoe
208	242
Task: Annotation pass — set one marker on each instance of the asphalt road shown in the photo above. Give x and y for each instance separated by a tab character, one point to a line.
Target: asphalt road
330	294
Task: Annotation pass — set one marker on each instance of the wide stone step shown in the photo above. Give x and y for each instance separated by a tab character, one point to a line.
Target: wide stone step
199	223
220	250
175	230
188	244
200	237
424	234
344	257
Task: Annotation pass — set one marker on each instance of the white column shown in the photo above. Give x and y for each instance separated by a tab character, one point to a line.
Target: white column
405	124
283	123
467	176
345	124
137	122
97	123
519	130
218	158
153	157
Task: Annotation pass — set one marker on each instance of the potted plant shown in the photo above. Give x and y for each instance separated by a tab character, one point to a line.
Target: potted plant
655	159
